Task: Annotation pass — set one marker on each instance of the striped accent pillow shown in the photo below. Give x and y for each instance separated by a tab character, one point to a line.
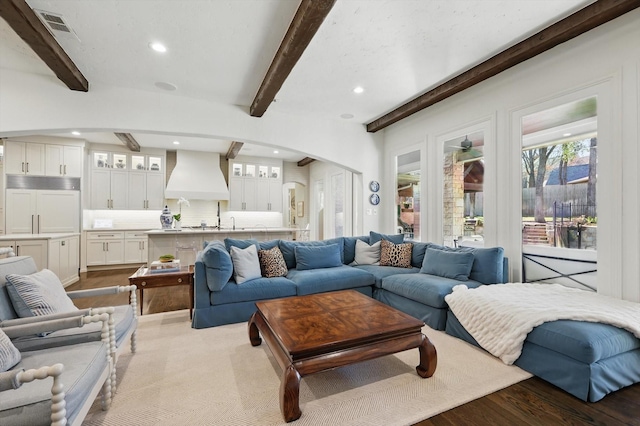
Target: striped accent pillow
9	355
38	294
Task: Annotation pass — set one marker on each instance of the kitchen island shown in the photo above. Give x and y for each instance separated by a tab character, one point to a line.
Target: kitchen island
185	244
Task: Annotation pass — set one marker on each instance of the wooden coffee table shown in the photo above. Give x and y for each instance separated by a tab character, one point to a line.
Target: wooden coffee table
143	279
308	334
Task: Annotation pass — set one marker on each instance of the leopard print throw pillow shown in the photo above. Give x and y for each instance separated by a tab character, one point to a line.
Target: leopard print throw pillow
398	255
272	263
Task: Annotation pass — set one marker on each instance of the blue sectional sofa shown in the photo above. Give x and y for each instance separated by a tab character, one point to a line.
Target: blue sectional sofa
219	300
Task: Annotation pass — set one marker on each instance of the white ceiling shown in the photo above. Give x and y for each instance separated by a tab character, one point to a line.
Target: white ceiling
219	50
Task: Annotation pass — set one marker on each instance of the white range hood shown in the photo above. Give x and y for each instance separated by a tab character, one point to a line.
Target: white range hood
197	176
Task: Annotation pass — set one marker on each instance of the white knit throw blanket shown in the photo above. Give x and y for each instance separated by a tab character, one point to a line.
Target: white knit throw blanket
500	316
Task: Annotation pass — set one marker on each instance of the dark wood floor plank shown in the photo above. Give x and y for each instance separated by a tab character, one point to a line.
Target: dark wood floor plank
532	402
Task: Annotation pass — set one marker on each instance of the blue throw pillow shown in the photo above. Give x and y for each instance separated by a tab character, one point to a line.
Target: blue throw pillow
374	237
288	248
447	264
487	266
350	248
218	265
316	257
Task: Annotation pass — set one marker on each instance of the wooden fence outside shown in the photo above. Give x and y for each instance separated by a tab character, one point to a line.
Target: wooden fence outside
575	194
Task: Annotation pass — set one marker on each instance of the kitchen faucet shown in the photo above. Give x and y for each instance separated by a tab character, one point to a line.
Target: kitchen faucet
234	222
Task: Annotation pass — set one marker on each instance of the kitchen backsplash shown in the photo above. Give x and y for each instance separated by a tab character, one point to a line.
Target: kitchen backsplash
192	215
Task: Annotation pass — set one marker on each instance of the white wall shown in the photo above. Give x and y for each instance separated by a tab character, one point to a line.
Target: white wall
32	104
604	62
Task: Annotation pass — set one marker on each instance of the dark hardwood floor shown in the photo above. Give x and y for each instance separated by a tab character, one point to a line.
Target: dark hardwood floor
530	402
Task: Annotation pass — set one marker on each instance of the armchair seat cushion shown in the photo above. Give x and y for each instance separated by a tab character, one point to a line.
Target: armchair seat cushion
123	317
30	404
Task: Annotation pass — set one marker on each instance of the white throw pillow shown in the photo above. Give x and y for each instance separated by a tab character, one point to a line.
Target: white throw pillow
367	254
37	294
246	266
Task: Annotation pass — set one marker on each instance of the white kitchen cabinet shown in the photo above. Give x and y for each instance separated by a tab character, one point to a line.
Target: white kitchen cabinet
242	194
255	185
146	191
63	160
109	189
37	249
105	248
135	247
23	158
269	195
147	162
31	211
64	258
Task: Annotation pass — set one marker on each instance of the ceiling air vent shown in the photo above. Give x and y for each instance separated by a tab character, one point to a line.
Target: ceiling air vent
57	25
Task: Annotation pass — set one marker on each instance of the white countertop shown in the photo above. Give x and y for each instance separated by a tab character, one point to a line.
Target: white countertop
13	237
218	231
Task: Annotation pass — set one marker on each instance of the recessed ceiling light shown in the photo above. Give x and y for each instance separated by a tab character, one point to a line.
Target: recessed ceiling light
358	89
166	86
75	133
346	116
566	134
176	142
275	151
158	47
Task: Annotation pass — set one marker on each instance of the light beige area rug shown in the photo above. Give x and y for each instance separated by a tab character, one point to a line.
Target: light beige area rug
183	376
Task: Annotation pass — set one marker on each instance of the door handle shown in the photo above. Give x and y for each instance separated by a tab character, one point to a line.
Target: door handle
38	225
65	169
32	224
27	167
23	167
61	169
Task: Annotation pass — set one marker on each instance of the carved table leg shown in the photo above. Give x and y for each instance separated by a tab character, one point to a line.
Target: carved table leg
428	358
290	394
254	334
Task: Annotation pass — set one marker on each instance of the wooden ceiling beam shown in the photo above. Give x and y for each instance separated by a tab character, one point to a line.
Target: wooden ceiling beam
305	24
129	141
28	26
234	150
588	18
305	161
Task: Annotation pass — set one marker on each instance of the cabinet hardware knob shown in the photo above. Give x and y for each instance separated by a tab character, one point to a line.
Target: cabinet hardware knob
144	283
179	280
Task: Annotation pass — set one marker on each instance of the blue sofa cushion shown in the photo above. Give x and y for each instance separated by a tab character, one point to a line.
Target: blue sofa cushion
448	264
487	265
288	249
374	237
308	257
218	265
424	288
380	272
586	342
417	254
241	244
254	290
350	248
343	277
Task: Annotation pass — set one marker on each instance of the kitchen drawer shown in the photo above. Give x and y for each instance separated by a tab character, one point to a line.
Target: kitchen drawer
105	235
135	234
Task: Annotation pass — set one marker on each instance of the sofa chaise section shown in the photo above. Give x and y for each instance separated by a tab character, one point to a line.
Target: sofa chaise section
586	359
